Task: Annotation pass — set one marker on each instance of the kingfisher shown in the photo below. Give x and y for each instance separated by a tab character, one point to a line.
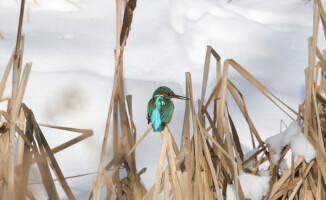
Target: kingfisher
160	108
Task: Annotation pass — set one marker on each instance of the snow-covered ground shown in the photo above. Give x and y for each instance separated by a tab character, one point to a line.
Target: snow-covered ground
72	53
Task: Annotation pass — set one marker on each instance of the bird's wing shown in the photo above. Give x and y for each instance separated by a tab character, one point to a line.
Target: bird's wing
150	108
166	112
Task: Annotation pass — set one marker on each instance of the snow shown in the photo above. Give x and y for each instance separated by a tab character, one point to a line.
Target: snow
275	158
231	192
283	165
253	187
291	131
276	142
246	156
279	141
263	172
300	146
71	48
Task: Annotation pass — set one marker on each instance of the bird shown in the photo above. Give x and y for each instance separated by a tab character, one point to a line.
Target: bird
160	107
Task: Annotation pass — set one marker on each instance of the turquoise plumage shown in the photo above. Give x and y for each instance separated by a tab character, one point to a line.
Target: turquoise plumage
160	108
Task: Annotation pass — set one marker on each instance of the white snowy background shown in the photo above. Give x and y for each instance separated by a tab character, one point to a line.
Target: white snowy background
73	64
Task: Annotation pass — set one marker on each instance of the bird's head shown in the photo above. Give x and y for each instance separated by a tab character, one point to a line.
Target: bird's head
167	93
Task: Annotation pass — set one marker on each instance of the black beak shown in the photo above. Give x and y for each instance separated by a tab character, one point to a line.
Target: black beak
179	97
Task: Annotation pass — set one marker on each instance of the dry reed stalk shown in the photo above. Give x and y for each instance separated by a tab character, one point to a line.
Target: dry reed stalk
97	184
167	149
209	160
55	166
96	187
176	189
20	144
22	87
243	108
235	137
182	178
115	146
285	176
85	133
13	114
198	186
178	160
131	150
305	173
26	163
122	159
261	88
127	128
160	165
139	141
166	185
41	158
186	139
133	127
43	167
21	54
21	91
6	74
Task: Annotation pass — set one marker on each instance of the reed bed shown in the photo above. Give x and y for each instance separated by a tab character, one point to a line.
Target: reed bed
209	159
210	156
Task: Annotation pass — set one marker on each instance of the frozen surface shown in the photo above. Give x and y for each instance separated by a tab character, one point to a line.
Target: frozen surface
71	47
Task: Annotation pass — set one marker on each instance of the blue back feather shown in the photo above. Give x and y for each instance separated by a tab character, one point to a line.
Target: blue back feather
156	116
